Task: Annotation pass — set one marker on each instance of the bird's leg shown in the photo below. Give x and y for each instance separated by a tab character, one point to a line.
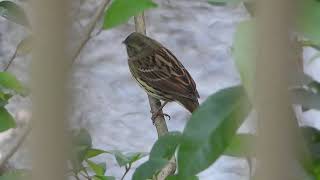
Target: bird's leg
158	112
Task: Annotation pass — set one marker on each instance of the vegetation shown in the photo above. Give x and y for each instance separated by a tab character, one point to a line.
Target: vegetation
211	131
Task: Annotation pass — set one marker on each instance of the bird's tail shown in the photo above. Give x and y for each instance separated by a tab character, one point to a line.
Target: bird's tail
189	104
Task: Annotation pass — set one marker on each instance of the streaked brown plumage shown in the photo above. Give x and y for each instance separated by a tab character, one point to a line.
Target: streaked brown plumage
159	72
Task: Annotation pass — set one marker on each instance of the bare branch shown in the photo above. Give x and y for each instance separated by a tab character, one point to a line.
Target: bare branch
11	60
90	28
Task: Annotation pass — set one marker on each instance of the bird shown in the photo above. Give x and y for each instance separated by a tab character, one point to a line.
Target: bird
157	70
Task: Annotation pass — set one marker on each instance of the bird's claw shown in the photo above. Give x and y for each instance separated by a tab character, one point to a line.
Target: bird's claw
155	115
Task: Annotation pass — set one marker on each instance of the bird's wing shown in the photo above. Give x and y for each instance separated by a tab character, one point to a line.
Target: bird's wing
164	72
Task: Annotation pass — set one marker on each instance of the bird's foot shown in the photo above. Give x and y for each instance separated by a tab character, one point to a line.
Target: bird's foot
156	114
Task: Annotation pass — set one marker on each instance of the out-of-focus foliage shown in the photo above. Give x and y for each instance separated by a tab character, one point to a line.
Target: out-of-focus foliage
6	120
206	136
244	53
82	152
210	130
13	12
9	86
120	11
308	19
16	175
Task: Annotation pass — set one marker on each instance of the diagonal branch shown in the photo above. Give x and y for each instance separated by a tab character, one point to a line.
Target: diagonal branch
89	29
155	104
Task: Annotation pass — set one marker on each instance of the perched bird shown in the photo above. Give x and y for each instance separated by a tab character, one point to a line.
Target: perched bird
160	73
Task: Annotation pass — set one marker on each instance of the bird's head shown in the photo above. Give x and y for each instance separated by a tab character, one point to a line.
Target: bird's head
136	43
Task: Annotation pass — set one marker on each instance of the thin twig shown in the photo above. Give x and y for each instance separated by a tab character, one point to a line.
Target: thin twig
126	171
21	138
86	172
76	176
90	28
155	104
11	60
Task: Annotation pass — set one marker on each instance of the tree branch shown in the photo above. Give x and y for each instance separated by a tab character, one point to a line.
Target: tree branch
155	104
11	60
14	148
89	29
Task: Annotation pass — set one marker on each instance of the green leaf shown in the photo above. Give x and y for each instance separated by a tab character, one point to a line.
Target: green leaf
211	129
16	175
241	146
104	177
82	142
4	98
99	169
129	158
166	146
244	53
8	82
121	159
13	12
306	98
175	177
6	120
121	10
308	19
314	85
133	157
95	152
81	137
148	169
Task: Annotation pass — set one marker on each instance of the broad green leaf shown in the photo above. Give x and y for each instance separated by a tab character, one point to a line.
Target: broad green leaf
148	169
241	146
8	82
166	146
15	175
308	19
210	130
244	53
95	152
120	11
305	98
6	120
175	177
13	12
104	177
25	46
99	169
